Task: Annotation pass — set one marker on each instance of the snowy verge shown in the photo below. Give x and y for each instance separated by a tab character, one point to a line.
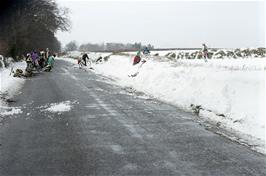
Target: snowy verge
9	86
229	92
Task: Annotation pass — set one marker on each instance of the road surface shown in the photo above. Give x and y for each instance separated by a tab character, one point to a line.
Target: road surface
110	131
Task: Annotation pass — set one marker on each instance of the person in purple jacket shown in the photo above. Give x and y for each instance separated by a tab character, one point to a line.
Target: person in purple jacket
35	57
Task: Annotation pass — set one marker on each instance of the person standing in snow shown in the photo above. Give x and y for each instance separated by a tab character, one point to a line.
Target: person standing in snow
28	58
146	51
84	58
42	60
205	51
29	66
35	60
137	58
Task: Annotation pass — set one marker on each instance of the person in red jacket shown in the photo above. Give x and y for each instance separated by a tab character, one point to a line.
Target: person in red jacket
137	58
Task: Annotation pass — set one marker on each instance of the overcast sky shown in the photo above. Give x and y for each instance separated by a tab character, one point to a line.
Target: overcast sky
167	24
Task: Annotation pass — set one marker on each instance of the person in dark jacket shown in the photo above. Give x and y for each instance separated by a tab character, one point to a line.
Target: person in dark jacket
42	61
146	51
205	51
84	58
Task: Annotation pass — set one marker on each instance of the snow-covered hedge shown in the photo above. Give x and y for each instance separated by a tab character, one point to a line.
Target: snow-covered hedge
217	53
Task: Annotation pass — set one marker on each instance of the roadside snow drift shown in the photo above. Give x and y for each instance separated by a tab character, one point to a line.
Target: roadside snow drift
9	85
229	92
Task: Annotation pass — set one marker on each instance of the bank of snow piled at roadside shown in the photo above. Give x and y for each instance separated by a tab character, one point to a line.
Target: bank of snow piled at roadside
8	84
230	93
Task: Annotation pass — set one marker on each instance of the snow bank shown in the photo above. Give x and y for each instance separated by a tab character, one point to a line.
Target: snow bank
9	85
8	88
231	93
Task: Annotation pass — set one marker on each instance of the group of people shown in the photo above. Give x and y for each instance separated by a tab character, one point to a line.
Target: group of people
42	60
146	52
37	61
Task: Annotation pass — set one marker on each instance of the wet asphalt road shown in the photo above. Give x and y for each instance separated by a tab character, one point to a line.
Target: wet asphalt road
110	131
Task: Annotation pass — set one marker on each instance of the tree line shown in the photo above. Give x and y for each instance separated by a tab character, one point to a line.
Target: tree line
27	25
114	47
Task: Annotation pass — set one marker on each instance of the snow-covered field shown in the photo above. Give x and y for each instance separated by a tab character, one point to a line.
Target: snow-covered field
230	92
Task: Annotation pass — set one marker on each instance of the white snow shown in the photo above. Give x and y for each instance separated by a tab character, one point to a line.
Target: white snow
8	111
9	85
234	88
59	107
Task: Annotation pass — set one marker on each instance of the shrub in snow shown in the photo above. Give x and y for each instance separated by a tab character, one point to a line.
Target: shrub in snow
187	55
219	54
167	54
18	73
231	54
106	58
198	55
246	53
210	54
172	56
195	109
238	52
194	55
259	52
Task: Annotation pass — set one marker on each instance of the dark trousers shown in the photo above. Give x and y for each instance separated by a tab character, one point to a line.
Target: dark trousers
85	61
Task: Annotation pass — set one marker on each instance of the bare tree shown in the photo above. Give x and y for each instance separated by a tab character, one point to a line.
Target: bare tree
30	25
71	46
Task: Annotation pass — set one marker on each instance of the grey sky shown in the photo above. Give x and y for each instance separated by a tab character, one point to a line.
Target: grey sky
167	24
